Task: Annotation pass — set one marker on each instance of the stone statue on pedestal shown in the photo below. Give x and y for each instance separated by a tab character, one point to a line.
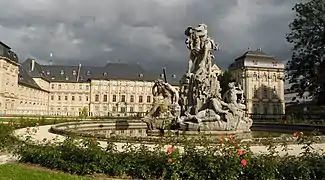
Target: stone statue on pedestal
199	104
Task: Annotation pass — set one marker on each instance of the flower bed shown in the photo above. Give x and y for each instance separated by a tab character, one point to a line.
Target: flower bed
228	159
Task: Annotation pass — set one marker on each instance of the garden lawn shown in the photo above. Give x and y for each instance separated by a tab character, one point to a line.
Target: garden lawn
22	172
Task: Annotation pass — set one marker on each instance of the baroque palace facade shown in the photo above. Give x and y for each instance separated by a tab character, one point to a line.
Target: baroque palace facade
33	89
118	89
262	78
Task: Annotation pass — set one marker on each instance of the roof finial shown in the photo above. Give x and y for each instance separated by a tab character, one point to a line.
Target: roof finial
259	49
248	48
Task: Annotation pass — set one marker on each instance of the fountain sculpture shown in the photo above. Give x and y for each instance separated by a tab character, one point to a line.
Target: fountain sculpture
198	105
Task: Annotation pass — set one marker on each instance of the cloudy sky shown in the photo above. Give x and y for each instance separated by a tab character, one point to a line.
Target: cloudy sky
150	32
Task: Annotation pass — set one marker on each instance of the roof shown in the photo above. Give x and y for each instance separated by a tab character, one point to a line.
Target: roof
26	80
80	73
257	53
5	51
256	58
5	45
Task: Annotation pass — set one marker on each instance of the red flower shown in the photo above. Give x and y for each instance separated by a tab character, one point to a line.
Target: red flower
169	160
220	139
243	162
240	152
171	149
231	137
297	134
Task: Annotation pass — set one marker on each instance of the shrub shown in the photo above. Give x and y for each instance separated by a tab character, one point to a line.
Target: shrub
227	160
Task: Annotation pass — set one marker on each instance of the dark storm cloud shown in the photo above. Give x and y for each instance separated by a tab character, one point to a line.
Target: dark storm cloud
150	32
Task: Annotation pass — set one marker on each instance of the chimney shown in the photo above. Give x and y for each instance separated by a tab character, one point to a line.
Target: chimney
78	74
32	65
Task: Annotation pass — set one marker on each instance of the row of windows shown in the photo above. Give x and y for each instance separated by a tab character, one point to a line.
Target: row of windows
81	87
33	103
264	77
265	92
66	98
66	86
105	109
267	109
122	98
105	98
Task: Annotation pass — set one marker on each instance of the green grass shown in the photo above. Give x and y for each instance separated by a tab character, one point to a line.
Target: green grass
22	172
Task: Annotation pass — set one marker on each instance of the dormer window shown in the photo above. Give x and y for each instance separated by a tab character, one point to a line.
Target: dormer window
105	73
66	78
140	75
174	76
48	72
61	72
162	75
81	78
53	78
74	72
88	73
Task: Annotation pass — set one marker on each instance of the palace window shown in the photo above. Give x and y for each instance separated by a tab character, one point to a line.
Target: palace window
274	92
274	77
123	98
52	97
255	77
66	98
265	92
148	99
80	98
105	98
72	98
114	98
131	98
275	109
96	97
255	95
59	98
265	109
140	99
87	99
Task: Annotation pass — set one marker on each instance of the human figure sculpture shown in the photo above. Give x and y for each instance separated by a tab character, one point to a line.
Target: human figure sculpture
166	97
231	96
199	104
200	46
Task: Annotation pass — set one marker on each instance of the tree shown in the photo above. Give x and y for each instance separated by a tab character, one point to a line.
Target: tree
84	112
224	80
306	68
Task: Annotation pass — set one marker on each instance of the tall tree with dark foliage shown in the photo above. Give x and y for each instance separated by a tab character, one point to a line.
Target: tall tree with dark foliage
306	68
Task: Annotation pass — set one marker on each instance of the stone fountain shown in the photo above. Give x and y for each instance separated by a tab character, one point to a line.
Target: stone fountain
198	105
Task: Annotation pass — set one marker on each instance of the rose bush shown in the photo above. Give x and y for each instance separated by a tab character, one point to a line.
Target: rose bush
227	160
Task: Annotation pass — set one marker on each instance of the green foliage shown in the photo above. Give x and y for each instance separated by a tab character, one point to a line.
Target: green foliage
19	171
84	112
227	160
306	69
